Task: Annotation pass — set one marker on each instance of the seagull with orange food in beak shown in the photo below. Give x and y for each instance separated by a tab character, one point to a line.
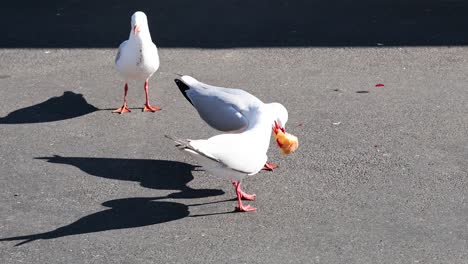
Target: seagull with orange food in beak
137	59
225	109
235	156
242	151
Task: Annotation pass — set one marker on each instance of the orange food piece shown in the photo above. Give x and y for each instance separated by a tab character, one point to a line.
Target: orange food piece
288	143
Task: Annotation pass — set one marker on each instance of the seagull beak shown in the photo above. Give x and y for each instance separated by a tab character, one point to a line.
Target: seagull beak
276	128
136	29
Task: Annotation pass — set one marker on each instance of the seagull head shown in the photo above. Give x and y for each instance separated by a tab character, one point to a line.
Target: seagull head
139	22
286	142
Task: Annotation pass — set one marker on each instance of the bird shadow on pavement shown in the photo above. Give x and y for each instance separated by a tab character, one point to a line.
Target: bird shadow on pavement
123	213
69	105
130	212
154	174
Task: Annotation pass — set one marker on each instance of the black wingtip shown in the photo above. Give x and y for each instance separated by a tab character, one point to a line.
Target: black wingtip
183	89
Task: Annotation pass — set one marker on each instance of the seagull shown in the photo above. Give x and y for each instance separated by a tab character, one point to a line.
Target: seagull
224	109
137	59
234	156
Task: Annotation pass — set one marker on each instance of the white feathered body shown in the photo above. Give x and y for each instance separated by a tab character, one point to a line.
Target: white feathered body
137	57
137	60
235	156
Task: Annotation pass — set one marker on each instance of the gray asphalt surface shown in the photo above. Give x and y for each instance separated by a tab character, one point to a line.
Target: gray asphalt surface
380	175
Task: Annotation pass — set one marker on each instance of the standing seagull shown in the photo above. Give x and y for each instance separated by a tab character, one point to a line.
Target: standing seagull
238	155
235	156
137	59
224	109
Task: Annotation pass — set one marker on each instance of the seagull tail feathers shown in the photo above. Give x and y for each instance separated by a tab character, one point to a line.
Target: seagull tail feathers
184	144
180	143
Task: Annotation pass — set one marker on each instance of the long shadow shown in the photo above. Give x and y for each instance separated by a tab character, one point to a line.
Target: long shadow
123	213
130	212
155	174
235	23
69	105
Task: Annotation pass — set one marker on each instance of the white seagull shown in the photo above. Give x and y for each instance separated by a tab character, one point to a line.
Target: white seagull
235	156
224	109
137	59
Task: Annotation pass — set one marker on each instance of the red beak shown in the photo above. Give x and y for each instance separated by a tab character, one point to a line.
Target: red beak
275	129
136	29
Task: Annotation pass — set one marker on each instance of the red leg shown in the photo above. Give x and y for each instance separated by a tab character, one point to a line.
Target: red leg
124	108
269	166
240	207
148	107
244	195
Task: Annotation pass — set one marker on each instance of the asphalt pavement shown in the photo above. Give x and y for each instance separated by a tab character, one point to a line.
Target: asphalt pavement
380	175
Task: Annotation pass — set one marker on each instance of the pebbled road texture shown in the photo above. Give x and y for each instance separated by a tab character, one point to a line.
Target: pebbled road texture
380	175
